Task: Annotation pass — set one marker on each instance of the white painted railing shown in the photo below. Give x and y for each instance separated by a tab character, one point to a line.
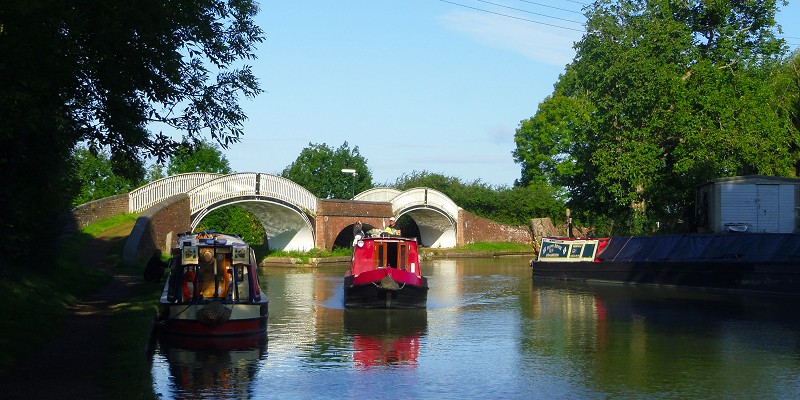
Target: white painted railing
288	191
154	192
251	184
377	194
425	197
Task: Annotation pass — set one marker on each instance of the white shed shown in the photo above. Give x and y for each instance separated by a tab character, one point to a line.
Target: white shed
753	203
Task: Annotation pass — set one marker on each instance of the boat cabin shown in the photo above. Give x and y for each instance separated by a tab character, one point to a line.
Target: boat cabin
376	253
570	249
213	267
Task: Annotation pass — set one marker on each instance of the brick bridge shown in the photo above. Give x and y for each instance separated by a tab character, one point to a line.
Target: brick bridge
292	217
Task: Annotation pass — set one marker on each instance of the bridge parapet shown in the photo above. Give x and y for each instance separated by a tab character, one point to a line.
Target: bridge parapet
377	194
251	184
425	197
154	192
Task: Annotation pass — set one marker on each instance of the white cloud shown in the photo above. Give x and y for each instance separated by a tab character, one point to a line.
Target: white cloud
545	44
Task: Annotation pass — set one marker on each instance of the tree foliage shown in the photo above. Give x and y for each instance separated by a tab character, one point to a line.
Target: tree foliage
203	157
97	179
318	168
514	206
102	73
235	220
661	96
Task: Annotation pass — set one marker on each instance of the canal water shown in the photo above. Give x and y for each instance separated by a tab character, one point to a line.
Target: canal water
491	331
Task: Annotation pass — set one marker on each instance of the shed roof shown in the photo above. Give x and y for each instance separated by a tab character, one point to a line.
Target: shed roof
753	179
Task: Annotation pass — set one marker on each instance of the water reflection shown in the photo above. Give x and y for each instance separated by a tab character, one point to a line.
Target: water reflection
385	337
660	341
490	331
222	368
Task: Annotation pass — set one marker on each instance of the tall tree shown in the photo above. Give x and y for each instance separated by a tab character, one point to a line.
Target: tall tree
318	168
103	72
661	96
787	86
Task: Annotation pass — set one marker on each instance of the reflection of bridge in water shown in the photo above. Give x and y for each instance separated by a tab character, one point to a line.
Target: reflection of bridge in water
293	218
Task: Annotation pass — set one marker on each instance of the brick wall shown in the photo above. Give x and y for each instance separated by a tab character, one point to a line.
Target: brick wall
477	229
158	228
335	215
98	210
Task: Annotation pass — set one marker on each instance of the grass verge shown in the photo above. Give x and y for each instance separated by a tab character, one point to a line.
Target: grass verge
481	249
305	256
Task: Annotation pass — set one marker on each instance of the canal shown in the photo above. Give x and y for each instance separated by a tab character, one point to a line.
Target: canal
490	331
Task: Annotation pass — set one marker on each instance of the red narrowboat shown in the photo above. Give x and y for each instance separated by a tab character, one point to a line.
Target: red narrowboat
385	273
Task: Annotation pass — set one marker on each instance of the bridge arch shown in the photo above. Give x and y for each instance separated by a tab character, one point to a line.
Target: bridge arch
435	214
285	209
285	226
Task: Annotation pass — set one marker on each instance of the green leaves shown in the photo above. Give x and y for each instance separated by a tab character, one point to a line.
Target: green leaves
201	157
96	177
104	73
662	96
318	168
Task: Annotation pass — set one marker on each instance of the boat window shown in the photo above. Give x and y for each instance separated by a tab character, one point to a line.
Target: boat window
380	254
214	273
391	255
242	282
403	262
575	250
588	250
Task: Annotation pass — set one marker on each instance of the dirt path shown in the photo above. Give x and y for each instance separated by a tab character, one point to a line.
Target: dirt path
70	366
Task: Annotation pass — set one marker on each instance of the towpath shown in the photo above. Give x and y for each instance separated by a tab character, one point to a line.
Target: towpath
71	365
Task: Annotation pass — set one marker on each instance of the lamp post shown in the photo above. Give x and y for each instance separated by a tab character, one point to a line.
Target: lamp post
353	186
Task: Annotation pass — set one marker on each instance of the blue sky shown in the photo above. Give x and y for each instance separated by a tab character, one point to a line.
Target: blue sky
417	85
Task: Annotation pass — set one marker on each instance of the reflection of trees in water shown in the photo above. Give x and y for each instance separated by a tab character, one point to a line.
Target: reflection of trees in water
623	335
217	368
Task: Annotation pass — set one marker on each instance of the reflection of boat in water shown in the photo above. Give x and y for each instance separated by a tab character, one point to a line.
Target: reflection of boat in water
212	288
200	343
385	273
385	337
223	367
665	304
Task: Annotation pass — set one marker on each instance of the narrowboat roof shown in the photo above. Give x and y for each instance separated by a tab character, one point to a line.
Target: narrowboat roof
210	238
390	238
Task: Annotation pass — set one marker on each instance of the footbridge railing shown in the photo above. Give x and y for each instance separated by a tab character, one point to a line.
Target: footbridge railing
205	189
425	197
251	184
377	194
154	192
